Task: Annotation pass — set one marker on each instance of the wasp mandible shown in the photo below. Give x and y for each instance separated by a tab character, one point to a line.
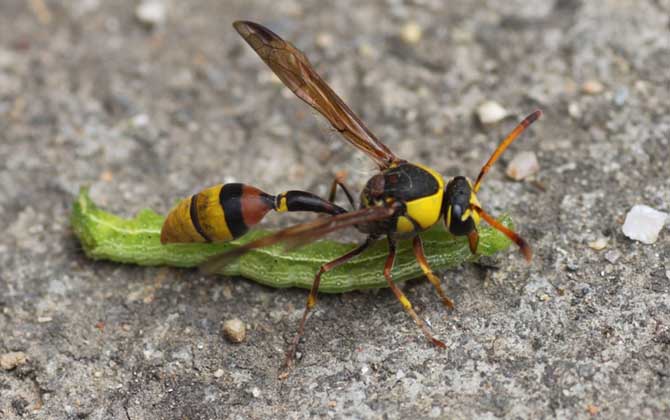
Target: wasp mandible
400	201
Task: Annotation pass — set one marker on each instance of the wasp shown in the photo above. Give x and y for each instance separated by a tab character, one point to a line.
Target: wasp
400	201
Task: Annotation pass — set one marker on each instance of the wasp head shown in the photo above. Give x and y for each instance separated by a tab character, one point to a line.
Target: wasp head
459	198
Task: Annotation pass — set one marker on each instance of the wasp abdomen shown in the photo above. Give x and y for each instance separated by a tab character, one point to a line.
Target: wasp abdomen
227	211
219	213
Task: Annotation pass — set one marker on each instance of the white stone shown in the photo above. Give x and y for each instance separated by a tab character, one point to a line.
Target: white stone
574	110
599	244
325	40
644	223
491	112
522	166
151	12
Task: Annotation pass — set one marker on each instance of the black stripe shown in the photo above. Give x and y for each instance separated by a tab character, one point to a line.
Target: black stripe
193	211
269	200
230	198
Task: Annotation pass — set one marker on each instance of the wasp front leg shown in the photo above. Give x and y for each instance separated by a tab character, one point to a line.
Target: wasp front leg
428	272
407	306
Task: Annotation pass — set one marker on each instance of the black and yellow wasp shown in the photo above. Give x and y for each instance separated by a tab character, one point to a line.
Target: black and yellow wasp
399	202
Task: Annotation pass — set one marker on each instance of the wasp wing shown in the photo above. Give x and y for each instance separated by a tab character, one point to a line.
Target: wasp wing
301	234
294	69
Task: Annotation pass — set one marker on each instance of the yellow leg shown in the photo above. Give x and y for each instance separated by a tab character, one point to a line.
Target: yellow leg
406	304
421	259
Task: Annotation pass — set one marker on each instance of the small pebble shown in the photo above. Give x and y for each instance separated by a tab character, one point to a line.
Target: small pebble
227	292
325	40
574	110
572	266
592	409
411	33
612	256
219	373
644	223
599	244
491	112
41	10
11	360
234	330
522	166
139	120
151	12
592	87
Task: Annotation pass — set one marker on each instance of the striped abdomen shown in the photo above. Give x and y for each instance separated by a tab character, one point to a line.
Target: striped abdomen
227	211
220	213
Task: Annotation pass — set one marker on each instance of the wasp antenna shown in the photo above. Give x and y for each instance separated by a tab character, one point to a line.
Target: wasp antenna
505	143
521	243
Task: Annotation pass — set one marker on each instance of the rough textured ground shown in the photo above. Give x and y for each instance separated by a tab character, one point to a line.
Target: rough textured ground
89	95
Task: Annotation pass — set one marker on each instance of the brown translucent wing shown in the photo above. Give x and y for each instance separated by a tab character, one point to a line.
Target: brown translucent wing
301	234
293	68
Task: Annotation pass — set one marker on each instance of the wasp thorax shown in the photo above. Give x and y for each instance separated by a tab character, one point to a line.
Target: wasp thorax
457	198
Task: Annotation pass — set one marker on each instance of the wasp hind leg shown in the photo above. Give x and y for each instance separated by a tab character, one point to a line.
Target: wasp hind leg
406	304
339	181
428	272
311	299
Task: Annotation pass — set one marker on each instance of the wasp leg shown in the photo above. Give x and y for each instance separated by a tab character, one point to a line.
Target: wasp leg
421	259
311	298
339	181
403	299
473	240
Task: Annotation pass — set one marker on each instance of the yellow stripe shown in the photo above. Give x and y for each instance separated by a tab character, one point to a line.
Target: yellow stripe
178	227
474	201
449	217
211	216
404	225
282	203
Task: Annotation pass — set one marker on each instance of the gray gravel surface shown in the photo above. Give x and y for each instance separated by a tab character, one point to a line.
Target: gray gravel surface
147	112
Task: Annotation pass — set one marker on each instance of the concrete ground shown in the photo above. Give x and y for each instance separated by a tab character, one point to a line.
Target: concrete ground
146	112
